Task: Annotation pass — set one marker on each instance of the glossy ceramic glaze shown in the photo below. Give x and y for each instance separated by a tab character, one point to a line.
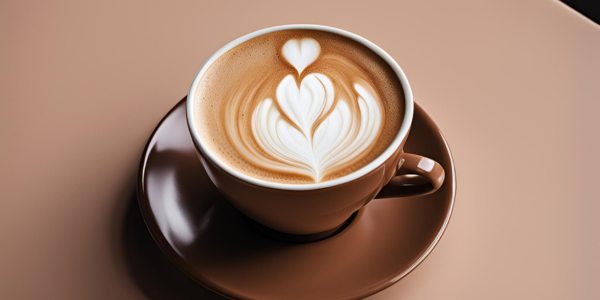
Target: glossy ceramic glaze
220	248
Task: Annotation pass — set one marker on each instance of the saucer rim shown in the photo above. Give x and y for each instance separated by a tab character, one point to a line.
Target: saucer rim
157	235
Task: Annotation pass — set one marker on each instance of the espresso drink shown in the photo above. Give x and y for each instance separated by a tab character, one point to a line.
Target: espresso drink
298	106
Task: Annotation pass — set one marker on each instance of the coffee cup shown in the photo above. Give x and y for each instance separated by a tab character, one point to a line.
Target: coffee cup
324	206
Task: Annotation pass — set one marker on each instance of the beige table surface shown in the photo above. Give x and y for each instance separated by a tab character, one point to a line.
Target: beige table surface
514	85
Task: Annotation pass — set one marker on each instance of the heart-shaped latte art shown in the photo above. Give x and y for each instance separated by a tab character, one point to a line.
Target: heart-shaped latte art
301	53
310	126
305	104
339	138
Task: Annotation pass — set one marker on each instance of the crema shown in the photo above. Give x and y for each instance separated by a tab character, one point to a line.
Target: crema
298	106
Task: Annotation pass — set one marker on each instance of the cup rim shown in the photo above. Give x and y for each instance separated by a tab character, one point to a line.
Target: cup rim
382	158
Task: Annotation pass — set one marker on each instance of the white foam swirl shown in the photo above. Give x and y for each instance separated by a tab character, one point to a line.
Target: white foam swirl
312	132
304	105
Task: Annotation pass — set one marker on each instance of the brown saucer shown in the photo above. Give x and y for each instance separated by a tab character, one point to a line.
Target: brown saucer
221	249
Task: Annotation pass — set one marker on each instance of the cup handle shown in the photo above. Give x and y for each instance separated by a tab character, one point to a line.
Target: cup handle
416	176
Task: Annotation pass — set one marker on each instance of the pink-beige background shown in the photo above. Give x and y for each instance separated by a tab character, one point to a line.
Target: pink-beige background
514	85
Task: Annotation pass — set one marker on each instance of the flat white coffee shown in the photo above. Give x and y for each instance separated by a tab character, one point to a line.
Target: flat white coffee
299	106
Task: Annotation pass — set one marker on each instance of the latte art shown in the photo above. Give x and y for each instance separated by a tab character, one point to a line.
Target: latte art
298	106
295	139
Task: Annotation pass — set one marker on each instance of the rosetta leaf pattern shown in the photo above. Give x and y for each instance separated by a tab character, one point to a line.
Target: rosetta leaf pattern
294	138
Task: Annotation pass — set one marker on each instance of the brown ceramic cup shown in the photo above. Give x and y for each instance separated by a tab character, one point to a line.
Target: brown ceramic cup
314	209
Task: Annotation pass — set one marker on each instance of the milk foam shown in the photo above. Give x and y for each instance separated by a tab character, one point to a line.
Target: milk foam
298	106
299	141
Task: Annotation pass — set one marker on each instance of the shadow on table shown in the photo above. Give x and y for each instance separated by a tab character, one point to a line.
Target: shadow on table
152	271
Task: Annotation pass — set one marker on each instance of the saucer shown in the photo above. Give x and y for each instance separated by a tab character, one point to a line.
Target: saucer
223	250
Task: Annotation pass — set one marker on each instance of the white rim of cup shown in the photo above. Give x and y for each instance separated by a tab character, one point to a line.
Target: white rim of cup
404	127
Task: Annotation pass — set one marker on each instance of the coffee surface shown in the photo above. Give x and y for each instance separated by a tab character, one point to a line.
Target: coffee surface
298	106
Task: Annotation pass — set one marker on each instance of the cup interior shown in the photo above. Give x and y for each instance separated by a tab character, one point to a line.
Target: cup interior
396	142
